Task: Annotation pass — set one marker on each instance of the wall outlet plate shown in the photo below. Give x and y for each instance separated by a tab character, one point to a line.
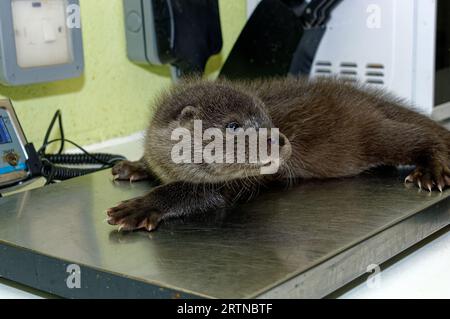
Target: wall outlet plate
40	41
144	35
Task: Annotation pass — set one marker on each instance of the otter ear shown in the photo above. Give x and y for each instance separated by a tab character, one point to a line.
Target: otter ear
187	114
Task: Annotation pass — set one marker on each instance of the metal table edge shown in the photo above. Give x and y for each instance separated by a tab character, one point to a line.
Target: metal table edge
417	227
20	258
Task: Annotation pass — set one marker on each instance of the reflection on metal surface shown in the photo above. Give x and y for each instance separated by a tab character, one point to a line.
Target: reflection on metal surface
303	242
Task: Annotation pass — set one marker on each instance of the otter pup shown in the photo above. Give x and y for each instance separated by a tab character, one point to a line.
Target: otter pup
328	129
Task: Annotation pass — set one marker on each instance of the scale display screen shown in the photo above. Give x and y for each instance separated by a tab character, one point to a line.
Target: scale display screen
5	138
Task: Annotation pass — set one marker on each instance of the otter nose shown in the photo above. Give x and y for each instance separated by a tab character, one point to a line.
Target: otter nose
281	141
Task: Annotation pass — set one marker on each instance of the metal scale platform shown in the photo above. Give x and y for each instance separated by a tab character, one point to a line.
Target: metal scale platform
301	243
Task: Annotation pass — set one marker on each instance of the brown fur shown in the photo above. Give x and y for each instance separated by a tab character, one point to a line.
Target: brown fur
331	129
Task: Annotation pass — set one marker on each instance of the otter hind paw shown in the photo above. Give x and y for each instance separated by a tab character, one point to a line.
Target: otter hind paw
134	214
434	178
130	171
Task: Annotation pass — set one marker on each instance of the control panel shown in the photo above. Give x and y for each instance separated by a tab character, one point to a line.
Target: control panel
13	158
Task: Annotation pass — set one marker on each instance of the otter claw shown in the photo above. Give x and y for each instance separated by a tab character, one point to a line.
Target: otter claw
133	171
133	179
409	179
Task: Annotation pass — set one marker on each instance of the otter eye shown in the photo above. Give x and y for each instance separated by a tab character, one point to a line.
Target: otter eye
233	126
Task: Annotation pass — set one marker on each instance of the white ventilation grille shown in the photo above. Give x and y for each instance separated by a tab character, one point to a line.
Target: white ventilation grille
372	73
348	71
323	68
375	74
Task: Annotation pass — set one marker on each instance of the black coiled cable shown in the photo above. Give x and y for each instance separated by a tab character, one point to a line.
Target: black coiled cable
50	162
83	159
52	172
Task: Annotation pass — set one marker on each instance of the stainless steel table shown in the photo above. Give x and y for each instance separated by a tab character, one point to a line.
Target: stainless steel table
303	243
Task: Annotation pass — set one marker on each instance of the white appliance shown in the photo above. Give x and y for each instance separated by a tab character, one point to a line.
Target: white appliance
391	44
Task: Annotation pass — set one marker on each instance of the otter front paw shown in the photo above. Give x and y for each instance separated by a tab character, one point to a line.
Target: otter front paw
135	214
436	176
130	171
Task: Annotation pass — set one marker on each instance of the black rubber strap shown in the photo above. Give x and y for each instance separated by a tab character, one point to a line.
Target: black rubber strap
314	18
317	13
306	51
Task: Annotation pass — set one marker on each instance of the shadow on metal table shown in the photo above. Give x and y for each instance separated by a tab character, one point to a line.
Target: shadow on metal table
305	242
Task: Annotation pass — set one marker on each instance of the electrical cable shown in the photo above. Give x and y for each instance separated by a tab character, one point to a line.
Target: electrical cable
58	116
51	168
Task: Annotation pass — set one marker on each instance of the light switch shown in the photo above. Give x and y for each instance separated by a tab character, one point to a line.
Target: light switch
40	41
41	33
48	29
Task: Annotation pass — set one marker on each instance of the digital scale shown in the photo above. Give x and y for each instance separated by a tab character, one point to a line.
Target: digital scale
13	155
305	242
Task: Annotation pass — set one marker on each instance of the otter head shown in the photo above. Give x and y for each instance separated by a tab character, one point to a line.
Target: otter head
216	133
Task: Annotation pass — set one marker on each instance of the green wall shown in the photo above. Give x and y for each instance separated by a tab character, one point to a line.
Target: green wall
112	99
